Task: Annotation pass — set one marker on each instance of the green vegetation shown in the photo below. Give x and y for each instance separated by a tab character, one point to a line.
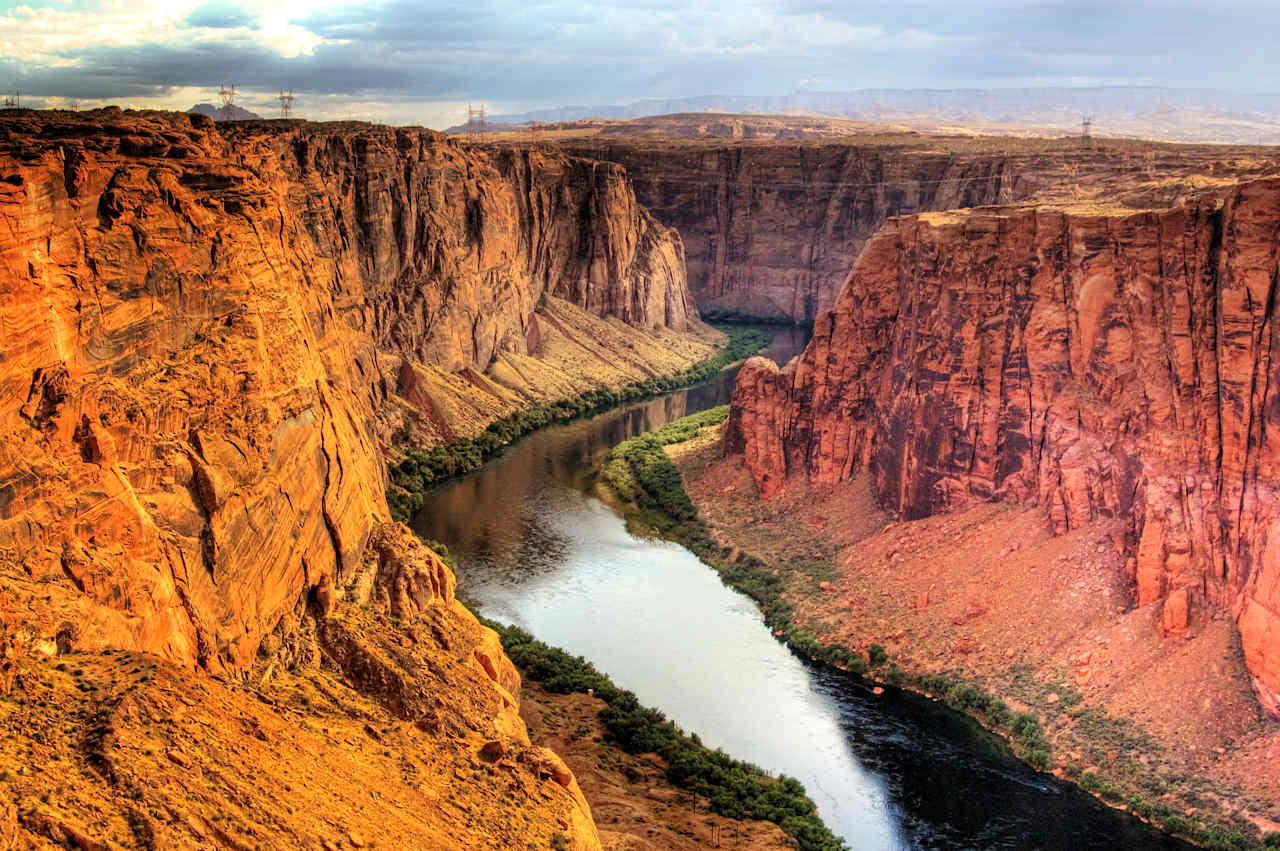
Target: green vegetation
442	551
726	315
733	788
422	469
642	475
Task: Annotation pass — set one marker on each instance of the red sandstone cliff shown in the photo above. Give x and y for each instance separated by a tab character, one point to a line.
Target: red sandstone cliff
199	338
442	252
202	334
1100	366
772	228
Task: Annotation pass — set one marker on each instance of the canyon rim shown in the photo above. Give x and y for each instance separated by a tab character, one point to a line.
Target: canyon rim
291	407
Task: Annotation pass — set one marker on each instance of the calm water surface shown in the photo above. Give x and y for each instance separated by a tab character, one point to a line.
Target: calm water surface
887	772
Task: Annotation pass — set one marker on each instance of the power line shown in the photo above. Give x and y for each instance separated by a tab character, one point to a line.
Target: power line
227	96
475	122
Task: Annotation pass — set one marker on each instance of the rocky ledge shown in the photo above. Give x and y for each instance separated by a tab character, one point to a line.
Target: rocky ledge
1099	366
204	335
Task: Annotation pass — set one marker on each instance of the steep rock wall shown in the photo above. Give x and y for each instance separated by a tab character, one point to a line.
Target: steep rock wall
1100	366
771	230
199	333
442	252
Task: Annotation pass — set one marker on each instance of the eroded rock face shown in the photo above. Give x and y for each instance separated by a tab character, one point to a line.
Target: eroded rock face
772	230
442	252
772	227
1100	366
201	332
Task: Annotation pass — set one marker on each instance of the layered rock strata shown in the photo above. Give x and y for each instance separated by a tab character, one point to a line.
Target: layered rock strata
772	228
771	231
384	715
204	331
209	336
1097	365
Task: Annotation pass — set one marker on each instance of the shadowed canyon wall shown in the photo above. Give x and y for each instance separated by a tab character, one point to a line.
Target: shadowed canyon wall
1101	366
772	228
771	231
200	334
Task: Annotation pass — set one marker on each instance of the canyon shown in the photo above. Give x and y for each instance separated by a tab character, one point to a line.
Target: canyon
770	232
1111	369
1097	365
207	336
773	210
212	339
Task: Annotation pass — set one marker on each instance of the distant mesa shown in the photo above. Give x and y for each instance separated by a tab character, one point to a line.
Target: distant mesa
1145	112
488	127
695	125
231	113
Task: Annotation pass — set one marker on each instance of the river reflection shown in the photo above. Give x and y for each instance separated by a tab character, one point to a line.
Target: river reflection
889	771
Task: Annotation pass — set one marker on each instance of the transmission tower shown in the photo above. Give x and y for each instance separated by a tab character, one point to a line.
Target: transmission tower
286	104
13	101
1086	123
475	122
228	97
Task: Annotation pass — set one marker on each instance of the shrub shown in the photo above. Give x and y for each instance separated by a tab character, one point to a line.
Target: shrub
733	788
422	469
1024	723
935	684
877	656
1037	757
963	696
1222	838
998	712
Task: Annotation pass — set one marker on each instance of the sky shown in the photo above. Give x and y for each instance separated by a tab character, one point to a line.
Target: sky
421	63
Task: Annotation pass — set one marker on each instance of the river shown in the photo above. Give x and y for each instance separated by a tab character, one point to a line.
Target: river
890	771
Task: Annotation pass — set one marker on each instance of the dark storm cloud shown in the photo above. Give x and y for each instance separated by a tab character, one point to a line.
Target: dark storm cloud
564	52
147	70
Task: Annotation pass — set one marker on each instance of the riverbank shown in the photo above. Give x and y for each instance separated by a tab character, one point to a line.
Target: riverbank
426	467
829	612
635	806
732	788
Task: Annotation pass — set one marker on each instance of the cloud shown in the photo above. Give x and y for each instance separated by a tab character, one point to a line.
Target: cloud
220	16
62	36
404	58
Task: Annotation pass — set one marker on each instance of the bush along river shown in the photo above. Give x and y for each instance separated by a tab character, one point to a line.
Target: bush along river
534	548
